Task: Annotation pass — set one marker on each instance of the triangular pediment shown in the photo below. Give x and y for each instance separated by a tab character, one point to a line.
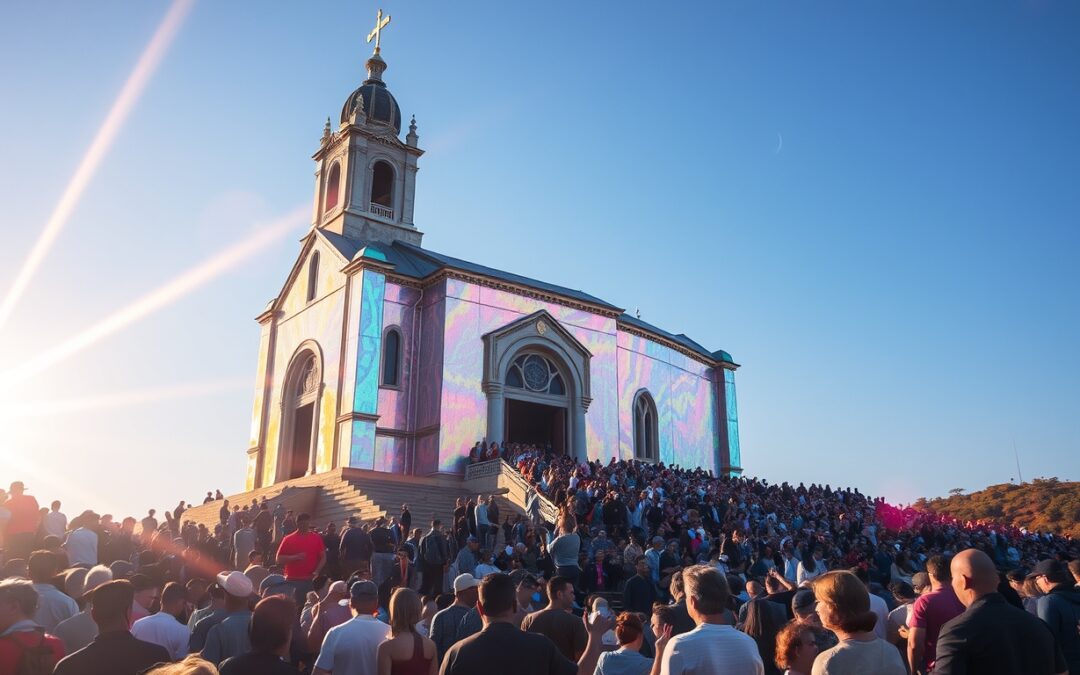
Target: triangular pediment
537	331
540	322
331	258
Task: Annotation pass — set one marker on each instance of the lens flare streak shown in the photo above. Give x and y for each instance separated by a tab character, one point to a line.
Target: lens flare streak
126	398
161	297
99	147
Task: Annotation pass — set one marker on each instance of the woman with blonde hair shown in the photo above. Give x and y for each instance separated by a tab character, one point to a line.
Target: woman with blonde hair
796	648
844	608
192	665
406	652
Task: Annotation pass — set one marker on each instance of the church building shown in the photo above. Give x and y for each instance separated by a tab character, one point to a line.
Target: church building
380	354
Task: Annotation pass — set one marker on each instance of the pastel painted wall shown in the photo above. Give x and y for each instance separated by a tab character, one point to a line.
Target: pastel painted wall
366	383
396	402
429	381
731	422
685	397
471	312
318	321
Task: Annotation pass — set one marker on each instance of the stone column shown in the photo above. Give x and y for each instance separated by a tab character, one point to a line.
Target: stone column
496	410
579	450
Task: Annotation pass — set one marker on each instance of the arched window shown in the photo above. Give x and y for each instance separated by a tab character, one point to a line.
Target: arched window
382	184
333	181
313	276
535	373
391	360
645	433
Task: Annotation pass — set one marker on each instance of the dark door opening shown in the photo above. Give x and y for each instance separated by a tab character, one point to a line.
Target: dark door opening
536	424
301	440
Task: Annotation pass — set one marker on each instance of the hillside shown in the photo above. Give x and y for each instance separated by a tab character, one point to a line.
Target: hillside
1043	504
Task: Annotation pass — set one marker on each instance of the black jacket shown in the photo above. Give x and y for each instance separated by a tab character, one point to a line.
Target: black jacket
992	637
1060	609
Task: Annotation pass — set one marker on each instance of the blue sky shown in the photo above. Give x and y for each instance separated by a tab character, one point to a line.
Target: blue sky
898	278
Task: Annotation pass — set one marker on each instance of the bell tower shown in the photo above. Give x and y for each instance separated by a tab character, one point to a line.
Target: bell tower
365	175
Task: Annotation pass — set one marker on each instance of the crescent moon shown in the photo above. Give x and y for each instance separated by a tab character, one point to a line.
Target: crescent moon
779	143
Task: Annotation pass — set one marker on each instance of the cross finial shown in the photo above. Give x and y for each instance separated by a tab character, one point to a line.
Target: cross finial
376	33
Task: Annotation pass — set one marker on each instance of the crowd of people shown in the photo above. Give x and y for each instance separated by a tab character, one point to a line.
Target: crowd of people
647	568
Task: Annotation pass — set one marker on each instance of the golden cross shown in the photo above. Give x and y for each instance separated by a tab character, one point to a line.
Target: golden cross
376	34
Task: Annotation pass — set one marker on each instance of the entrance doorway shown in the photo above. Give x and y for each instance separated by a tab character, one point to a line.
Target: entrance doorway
536	424
300	416
301	440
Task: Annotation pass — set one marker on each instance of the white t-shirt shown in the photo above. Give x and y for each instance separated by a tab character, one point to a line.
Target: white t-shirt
878	606
854	657
163	629
55	524
710	649
82	547
349	649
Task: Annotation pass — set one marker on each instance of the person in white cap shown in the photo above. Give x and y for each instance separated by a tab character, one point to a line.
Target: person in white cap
80	630
445	623
230	637
350	649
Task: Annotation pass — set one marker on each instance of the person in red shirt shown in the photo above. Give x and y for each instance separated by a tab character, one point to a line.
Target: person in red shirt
929	613
23	525
18	632
303	553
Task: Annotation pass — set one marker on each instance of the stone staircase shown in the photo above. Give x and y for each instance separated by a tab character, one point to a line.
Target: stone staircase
336	495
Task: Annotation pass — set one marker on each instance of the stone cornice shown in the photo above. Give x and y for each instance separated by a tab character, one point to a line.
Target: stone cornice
527	291
401	433
670	344
357	416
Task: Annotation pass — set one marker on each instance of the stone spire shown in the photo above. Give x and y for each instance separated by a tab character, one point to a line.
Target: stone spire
411	138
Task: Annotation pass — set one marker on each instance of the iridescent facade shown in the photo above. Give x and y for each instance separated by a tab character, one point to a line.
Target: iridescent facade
379	354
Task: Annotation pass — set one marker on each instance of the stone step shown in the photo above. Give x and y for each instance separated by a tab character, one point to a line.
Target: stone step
336	495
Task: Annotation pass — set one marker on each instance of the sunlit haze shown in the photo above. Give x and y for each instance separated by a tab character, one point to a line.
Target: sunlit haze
872	207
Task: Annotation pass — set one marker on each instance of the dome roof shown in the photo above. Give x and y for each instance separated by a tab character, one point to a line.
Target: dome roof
379	104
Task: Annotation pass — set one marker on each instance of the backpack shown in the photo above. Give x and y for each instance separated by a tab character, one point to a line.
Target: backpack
36	660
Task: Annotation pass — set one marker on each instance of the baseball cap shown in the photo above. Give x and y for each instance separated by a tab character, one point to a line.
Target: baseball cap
464	582
361	590
236	584
121	569
803	600
1049	568
270	583
658	539
472	539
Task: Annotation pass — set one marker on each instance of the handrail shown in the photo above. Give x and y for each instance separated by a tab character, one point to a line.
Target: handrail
501	468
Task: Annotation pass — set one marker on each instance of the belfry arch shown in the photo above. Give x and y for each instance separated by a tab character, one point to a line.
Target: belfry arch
300	400
534	368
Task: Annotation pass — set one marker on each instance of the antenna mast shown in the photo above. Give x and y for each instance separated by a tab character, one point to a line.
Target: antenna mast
1017	455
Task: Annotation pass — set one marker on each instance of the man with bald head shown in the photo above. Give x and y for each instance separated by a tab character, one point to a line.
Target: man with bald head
992	636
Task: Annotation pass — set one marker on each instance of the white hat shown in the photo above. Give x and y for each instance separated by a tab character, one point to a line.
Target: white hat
465	582
236	584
